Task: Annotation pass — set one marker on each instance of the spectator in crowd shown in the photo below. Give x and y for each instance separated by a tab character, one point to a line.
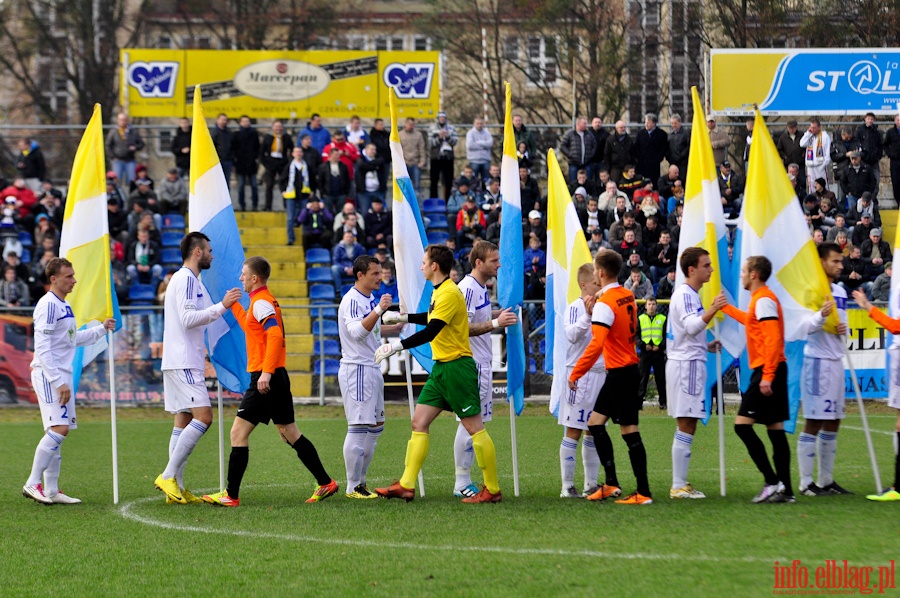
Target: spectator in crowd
578	146
139	212
597	242
626	223
630	182
608	200
523	135
662	256
679	145
13	290
313	159
731	186
274	154
334	180
319	135
789	148
862	229
534	255
50	203
666	285
351	223
22	271
639	284
645	191
667	182
370	177
798	184
817	144
470	224
442	139
823	193
818	236
117	219
459	197
413	144
382	140
619	151
24	202
379	225
342	257
881	288
356	135
892	151
522	156
389	283
601	136
634	260
864	205
591	218
843	241
651	342
349	152
581	180
748	123
676	197
490	199
675	229
144	194
295	184
629	245
535	270
30	164
876	251
579	199
181	148
45	228
535	227
869	138
841	150
855	274
479	143
114	191
246	149
316	222
813	212
857	179
720	140
222	138
143	260
530	192
650	147
141	172
122	143
840	226
39	273
348	210
173	194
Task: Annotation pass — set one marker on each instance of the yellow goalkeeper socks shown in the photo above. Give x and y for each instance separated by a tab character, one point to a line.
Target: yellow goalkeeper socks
487	460
416	451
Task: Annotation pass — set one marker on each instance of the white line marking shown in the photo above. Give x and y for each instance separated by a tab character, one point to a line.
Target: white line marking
863	430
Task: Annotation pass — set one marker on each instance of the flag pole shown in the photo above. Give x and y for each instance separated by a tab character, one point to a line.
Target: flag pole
862	414
112	406
221	437
720	402
512	429
412	411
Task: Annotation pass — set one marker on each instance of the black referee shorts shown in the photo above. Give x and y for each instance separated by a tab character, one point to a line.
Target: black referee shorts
276	406
619	399
766	410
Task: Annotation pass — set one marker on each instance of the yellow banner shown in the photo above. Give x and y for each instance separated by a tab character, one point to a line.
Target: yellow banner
280	84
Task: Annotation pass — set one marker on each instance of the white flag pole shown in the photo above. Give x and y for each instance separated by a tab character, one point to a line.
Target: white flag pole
515	450
720	402
221	438
862	414
412	411
112	406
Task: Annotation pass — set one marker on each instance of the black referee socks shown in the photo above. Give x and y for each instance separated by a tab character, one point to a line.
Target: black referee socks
605	452
237	465
310	458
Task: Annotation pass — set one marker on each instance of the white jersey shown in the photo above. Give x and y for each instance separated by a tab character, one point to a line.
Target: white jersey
821	344
478	306
358	345
578	335
685	335
188	310
55	337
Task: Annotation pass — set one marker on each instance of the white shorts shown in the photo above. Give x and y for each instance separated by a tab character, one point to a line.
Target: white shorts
686	388
486	390
575	409
822	388
184	390
52	413
894	384
362	388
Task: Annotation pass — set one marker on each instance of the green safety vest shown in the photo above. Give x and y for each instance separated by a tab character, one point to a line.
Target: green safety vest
652	330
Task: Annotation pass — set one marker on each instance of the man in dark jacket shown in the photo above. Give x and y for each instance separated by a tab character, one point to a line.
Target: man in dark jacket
31	164
578	145
245	144
334	181
313	159
121	145
370	179
274	153
857	179
316	222
523	134
679	147
869	138
379	225
892	150
181	148
221	136
650	147
144	259
842	147
856	272
530	192
876	252
382	140
619	151
789	148
598	162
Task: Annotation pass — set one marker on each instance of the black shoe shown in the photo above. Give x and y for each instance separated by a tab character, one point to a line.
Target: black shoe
834	488
813	490
782	497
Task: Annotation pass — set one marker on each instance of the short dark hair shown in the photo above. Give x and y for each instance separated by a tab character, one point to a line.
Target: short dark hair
221	114
636	270
190	241
259	266
55	265
761	265
494	180
609	261
691	258
628	214
481	250
440	255
362	264
313	115
826	249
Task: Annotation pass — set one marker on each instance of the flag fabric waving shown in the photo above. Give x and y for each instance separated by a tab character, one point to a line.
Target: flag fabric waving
567	250
773	224
703	225
210	212
409	243
84	241
511	276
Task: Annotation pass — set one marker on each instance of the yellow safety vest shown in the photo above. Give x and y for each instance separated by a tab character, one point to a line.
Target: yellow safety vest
652	330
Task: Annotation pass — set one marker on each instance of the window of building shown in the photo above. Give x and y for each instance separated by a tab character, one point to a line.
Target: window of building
542	60
511	48
164	41
163	142
421	43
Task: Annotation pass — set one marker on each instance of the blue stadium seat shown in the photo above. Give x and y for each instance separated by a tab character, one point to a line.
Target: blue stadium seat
142	294
542	347
655	288
318	256
26	256
464	253
327	311
25	239
329	327
538	327
320	274
434	205
532	365
322	291
171	256
173	221
437	238
331	366
172	238
332	347
345	288
437	221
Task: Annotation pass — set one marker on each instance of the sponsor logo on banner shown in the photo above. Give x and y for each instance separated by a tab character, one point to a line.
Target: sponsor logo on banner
866	341
282	80
411	81
153	79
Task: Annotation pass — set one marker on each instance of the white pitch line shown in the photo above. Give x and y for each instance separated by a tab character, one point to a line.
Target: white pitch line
844	427
126	511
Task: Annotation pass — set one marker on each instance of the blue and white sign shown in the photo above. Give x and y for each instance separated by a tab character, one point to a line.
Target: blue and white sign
411	81
153	79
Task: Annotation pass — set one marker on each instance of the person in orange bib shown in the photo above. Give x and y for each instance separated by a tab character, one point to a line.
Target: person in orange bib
269	397
614	328
766	399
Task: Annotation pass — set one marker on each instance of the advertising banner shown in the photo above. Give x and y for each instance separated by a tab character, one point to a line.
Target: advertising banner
867	342
281	84
805	81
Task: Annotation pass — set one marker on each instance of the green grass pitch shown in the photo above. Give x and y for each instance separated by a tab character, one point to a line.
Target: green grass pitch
534	545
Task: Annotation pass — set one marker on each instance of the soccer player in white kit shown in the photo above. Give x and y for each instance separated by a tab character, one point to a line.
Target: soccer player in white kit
485	260
56	335
822	384
188	310
686	365
361	381
575	406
